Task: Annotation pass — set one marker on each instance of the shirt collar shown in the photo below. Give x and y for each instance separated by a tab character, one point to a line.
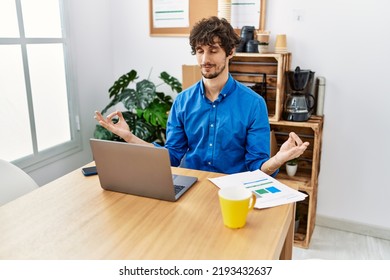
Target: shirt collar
226	90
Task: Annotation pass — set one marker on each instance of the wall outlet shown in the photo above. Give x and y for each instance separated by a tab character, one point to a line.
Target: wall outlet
298	14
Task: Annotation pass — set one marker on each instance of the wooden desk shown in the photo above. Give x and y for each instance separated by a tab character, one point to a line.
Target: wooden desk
73	218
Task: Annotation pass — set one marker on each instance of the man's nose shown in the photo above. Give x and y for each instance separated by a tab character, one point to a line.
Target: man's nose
205	58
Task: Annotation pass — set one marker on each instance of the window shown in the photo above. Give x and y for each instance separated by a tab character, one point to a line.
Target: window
37	115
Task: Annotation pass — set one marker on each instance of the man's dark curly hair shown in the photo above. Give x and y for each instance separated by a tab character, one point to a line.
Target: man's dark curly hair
207	30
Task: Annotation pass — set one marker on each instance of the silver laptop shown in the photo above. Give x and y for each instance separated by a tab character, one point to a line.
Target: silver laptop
138	170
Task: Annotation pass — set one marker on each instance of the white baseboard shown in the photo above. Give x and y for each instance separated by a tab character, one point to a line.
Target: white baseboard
359	228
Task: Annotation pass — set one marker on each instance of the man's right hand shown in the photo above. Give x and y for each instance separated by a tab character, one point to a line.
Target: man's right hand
120	128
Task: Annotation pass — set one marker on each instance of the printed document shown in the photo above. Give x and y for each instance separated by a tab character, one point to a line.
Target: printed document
269	191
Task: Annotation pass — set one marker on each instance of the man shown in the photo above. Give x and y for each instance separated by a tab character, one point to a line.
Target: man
218	124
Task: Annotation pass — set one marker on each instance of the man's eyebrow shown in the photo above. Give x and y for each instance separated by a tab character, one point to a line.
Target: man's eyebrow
211	46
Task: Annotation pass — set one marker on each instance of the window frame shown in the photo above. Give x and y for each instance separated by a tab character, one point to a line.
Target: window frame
42	158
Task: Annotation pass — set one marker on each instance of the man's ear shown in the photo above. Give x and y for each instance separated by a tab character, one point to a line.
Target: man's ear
233	51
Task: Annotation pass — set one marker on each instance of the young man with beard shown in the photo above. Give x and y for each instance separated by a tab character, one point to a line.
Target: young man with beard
218	124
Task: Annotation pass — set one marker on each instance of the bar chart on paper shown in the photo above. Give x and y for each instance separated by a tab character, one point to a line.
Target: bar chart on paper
269	192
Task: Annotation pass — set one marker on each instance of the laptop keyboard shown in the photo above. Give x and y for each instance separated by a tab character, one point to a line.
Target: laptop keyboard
178	188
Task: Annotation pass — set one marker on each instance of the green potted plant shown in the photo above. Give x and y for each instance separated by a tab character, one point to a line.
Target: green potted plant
146	108
291	167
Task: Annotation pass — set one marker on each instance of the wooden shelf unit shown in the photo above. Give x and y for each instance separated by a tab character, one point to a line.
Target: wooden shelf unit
306	179
248	68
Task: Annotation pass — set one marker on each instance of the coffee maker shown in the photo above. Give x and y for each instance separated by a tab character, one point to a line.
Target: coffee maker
300	101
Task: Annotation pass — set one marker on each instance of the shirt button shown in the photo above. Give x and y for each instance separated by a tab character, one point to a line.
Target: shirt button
213	106
211	125
211	144
209	163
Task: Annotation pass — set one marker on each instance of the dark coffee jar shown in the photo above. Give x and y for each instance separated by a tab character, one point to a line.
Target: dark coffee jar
252	46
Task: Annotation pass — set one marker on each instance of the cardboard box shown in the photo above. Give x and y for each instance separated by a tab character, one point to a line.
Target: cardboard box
191	75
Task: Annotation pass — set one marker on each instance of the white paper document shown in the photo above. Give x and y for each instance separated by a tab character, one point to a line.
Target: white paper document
269	191
245	12
170	13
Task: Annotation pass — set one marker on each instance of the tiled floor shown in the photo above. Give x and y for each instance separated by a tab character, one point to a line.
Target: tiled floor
331	244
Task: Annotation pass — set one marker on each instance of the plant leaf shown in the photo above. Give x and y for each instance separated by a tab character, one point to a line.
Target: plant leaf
126	97
167	99
171	81
122	83
129	99
145	93
157	113
139	127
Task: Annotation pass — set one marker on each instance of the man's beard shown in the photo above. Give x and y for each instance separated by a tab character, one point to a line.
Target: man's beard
215	74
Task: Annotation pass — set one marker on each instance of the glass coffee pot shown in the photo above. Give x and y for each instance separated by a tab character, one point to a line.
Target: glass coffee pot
300	101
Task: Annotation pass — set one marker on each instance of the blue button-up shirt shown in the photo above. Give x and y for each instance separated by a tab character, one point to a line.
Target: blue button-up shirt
229	135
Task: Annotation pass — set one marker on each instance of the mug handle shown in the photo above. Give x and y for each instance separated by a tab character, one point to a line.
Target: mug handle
253	202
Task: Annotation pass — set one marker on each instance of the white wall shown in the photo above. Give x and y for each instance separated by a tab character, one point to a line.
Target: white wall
345	41
134	48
